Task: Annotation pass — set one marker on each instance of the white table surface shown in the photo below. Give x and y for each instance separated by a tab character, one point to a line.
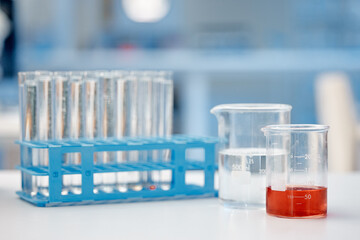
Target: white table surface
182	219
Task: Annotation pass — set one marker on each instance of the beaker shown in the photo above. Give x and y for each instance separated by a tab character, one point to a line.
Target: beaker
296	170
242	151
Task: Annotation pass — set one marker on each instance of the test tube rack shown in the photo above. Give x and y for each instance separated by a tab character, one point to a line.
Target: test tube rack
177	144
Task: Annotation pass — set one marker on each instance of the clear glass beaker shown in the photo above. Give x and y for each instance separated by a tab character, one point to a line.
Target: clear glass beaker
296	170
242	151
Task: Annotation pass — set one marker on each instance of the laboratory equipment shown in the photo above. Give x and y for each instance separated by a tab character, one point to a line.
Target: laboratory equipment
121	94
162	109
156	126
44	121
61	113
132	105
76	128
296	170
28	121
179	166
167	116
61	82
102	135
242	151
107	121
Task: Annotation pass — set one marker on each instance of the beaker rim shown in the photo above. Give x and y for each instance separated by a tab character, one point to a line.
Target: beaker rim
252	107
296	128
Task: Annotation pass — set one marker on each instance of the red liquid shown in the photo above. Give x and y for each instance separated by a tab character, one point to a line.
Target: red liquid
297	202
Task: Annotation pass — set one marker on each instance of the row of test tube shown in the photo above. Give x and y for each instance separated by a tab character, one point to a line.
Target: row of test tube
97	105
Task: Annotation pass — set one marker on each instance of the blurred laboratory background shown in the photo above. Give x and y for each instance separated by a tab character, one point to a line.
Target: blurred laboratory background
304	53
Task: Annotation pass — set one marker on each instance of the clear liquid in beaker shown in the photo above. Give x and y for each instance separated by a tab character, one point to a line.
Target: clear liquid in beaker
242	177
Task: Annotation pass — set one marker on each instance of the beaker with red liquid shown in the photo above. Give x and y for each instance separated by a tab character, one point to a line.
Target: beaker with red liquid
296	173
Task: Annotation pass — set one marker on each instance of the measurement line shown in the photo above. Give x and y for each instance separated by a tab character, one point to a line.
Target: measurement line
297	197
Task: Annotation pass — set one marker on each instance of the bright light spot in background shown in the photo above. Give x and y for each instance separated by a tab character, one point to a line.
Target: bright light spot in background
146	10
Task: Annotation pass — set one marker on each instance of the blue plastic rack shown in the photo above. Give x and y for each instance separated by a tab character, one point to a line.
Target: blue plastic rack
178	144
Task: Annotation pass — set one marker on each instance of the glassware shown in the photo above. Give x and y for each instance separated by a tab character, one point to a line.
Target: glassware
121	96
92	115
93	105
296	170
61	82
156	123
242	151
61	124
107	122
144	118
44	122
75	125
166	116
28	115
132	127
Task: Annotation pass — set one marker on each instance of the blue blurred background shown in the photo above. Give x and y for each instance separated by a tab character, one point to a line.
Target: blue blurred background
224	51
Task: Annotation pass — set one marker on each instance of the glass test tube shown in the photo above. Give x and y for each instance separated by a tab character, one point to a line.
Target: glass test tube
156	128
91	104
22	102
61	124
92	116
167	115
144	119
75	124
26	180
131	129
28	99
45	122
120	81
61	81
107	127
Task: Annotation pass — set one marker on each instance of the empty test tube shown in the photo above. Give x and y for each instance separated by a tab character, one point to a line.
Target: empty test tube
28	97
61	113
162	108
75	124
44	121
120	83
28	111
156	125
107	127
144	101
167	116
91	105
92	114
75	106
131	126
168	102
22	103
61	82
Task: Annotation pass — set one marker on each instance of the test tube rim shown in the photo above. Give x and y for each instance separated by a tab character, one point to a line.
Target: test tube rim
27	76
42	73
64	74
44	78
119	73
